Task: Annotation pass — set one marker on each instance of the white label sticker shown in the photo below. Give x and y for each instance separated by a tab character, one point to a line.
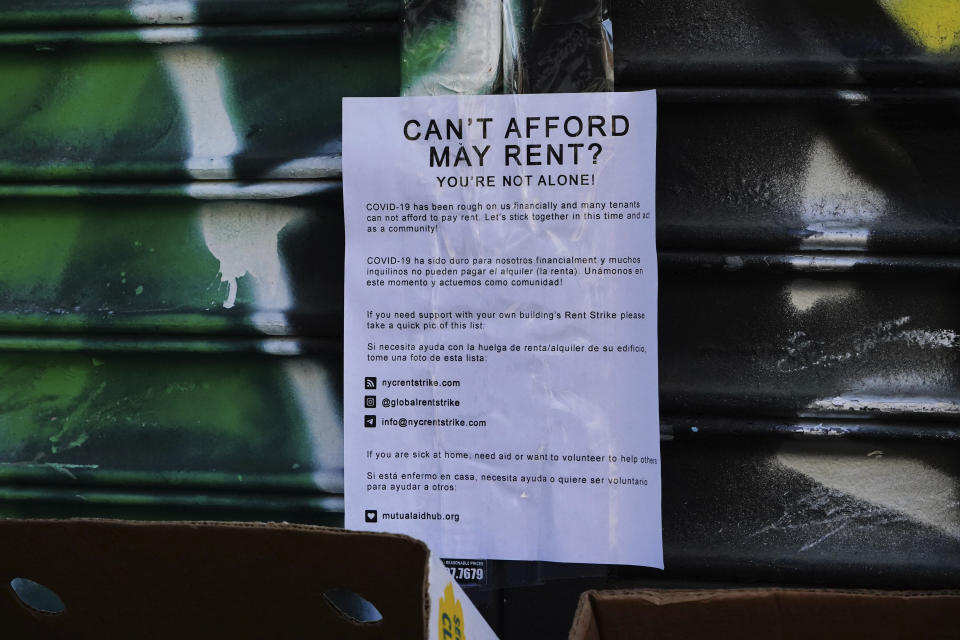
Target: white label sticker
500	325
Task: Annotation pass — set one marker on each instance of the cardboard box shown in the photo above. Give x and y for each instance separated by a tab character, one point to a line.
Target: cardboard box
781	614
218	580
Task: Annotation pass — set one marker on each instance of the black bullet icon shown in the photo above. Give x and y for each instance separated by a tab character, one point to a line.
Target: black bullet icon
370	515
370	421
370	382
370	402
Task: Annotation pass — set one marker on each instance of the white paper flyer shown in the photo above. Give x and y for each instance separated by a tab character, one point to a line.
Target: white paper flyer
500	325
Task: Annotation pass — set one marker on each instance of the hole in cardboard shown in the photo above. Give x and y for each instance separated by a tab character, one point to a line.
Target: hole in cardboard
37	597
352	606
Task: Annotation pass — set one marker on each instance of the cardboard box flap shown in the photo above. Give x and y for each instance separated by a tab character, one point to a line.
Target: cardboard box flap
790	614
187	580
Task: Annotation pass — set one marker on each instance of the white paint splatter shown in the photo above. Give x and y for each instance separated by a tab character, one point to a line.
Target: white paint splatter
837	236
320	409
896	481
271	323
258	191
281	347
882	404
837	206
931	339
856	97
804	351
243	236
804	294
196	74
322	166
919	382
733	263
169	35
164	11
822	513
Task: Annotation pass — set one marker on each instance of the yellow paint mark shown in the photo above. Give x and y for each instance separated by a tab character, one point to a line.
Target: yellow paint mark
933	24
450	616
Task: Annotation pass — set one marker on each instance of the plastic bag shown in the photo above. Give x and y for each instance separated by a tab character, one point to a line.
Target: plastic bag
451	47
473	47
557	46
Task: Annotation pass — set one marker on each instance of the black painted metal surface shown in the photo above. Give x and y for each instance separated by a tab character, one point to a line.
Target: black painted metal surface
785	43
808	235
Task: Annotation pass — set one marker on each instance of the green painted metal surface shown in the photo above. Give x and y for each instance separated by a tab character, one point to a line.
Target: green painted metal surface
18	13
189	258
217	409
242	102
168	291
124	373
140	503
133	416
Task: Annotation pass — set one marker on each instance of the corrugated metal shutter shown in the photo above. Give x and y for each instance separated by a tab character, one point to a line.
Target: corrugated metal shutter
171	268
808	234
171	253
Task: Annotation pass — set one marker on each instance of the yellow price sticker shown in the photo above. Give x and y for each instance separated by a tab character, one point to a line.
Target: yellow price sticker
450	616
